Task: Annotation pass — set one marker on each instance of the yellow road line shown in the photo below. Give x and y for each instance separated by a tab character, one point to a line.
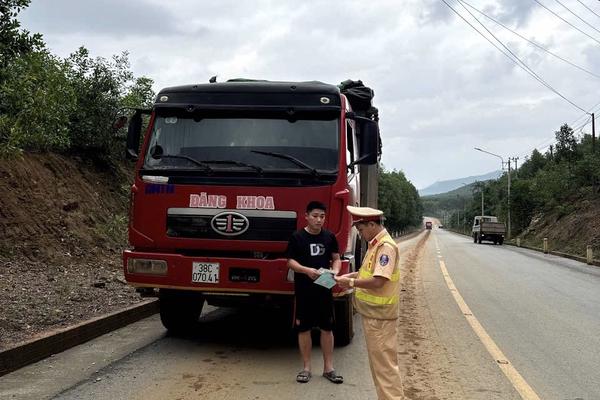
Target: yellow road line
519	383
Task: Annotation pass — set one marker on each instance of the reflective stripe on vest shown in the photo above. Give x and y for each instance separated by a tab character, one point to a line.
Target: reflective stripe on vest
366	273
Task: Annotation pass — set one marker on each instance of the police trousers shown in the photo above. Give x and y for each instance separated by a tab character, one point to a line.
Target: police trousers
381	336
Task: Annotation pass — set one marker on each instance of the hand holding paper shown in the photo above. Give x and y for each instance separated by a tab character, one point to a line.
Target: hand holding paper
326	278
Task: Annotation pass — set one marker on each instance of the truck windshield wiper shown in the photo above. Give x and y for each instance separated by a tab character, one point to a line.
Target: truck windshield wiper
202	164
236	163
289	158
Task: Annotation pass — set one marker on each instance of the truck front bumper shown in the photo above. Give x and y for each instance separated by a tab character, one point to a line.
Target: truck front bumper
210	274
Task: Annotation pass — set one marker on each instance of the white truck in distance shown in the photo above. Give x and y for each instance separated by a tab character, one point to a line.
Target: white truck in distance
488	228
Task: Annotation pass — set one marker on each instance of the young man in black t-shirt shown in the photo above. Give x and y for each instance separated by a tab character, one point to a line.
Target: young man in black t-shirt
308	250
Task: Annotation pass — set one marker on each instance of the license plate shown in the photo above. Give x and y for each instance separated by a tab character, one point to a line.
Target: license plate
204	272
244	275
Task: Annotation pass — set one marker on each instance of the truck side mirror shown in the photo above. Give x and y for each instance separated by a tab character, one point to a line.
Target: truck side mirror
368	141
134	132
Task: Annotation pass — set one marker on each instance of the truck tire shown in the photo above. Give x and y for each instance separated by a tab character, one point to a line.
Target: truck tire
179	309
474	238
479	238
343	331
500	241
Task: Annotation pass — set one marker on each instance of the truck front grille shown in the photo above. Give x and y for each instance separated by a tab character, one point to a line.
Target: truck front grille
230	224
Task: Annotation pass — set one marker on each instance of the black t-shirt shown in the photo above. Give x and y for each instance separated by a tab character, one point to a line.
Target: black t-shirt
313	251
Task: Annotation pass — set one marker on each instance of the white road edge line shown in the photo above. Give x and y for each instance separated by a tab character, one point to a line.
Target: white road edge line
519	383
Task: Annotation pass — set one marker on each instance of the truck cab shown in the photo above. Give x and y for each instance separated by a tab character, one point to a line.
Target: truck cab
222	179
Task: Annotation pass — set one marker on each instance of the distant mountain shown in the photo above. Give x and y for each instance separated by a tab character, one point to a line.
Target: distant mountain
446	186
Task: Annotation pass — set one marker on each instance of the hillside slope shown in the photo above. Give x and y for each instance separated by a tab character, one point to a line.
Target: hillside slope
62	229
569	231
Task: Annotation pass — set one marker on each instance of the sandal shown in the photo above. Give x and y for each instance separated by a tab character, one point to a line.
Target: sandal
303	376
333	377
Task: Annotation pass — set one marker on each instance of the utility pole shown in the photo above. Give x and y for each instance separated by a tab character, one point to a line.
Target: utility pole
464	217
594	178
508	164
593	134
509	199
482	201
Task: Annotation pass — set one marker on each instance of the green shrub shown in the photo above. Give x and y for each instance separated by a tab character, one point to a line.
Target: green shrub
38	102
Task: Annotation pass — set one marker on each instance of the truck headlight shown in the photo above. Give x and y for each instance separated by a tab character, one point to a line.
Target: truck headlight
146	267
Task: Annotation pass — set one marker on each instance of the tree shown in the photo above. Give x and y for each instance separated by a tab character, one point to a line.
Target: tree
38	102
140	94
523	204
13	41
399	200
99	86
566	144
531	166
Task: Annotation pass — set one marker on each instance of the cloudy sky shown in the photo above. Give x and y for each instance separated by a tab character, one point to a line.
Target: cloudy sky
441	88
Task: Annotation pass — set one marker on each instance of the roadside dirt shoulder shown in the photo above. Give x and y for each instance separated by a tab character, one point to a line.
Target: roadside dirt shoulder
424	366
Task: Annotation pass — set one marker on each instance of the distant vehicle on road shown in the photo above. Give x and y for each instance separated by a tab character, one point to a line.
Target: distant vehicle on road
428	225
440	226
488	228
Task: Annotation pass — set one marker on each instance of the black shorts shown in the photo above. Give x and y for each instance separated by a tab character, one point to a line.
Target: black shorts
314	309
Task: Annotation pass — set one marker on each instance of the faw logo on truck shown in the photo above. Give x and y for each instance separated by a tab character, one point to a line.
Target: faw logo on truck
230	223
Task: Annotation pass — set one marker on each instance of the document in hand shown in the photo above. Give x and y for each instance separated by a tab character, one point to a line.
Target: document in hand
326	278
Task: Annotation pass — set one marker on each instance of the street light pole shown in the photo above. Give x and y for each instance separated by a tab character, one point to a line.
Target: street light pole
508	227
508	200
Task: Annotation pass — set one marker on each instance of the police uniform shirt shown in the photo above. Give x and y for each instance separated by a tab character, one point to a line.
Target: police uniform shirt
384	265
385	260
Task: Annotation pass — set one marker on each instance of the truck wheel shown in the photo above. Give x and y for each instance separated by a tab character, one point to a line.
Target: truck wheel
479	239
475	238
500	241
179	309
495	241
343	331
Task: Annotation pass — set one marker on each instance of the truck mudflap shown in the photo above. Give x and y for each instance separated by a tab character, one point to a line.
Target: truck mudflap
211	274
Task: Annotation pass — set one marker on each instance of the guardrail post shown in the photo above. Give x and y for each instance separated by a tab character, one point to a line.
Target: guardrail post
590	255
518	242
546	245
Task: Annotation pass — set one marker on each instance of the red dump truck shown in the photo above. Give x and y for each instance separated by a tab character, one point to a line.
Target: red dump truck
428	225
222	179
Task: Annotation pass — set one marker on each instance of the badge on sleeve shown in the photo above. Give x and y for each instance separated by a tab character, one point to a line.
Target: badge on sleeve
383	260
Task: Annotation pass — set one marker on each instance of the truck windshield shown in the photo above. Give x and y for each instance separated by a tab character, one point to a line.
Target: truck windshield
254	144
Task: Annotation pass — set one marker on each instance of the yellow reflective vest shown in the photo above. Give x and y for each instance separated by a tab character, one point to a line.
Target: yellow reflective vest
381	303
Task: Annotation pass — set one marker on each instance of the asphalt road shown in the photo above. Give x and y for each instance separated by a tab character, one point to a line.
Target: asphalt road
542	312
234	354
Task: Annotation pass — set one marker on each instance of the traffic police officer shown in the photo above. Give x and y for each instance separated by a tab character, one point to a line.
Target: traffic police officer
376	290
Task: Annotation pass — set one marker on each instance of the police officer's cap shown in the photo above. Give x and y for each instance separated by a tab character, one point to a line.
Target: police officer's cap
365	214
